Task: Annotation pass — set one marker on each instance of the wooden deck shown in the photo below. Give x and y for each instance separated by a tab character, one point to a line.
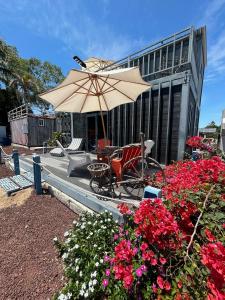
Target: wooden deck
76	187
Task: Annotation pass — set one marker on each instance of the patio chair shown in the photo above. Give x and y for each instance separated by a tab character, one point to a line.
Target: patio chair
77	161
73	148
126	153
75	145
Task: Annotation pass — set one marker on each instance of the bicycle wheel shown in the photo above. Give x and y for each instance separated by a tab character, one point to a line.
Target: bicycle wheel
100	185
133	181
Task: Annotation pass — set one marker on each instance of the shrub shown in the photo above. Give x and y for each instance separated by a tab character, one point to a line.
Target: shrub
166	249
84	251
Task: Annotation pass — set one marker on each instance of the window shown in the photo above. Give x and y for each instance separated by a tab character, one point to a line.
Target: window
41	122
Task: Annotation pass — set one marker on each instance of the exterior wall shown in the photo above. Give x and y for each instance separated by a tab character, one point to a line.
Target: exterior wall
222	137
38	134
19	130
169	112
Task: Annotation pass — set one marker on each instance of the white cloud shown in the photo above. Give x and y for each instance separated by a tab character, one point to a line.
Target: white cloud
213	18
72	24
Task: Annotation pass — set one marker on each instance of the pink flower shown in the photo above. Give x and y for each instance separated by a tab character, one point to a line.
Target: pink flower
106	258
105	282
107	272
135	250
139	272
116	236
143	268
154	288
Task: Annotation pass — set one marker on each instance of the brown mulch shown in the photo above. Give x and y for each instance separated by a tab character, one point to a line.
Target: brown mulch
29	266
21	150
5	172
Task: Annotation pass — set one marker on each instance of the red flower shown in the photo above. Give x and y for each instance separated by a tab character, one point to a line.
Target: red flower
209	235
160	282
162	260
124	209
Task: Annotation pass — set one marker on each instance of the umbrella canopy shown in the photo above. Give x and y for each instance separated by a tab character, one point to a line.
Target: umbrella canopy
84	92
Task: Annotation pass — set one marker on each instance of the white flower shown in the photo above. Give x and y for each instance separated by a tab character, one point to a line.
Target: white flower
94	274
68	240
90	283
101	222
55	240
91	233
91	289
101	261
76	246
89	223
83	286
66	234
74	222
116	221
95	282
76	260
96	264
82	226
81	292
64	256
106	210
95	246
77	282
80	273
77	269
86	295
110	214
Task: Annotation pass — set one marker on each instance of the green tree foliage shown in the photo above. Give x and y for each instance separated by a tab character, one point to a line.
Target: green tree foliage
23	79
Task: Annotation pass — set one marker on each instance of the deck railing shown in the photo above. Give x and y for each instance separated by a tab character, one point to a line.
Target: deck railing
18	112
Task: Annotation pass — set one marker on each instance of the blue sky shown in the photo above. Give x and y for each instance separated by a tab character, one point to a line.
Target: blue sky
55	30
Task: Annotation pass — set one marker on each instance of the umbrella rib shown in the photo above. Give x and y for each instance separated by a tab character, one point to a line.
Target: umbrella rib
86	95
104	82
108	88
102	94
120	92
58	88
69	96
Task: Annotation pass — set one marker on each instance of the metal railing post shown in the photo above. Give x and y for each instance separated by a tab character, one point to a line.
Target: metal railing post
15	156
37	174
1	156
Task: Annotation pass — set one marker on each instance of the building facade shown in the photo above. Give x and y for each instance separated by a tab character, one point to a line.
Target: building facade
169	112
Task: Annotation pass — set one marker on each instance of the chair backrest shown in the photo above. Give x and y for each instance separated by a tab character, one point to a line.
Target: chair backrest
148	146
75	144
129	152
63	149
102	143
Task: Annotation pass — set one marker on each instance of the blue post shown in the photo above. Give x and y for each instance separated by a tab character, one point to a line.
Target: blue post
1	156
15	156
37	174
152	192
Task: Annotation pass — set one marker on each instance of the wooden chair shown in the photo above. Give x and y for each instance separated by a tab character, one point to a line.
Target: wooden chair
101	151
127	152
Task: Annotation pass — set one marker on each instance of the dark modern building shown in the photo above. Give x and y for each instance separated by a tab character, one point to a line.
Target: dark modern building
169	112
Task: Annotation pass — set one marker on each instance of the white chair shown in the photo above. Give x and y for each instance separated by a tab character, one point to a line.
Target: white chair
77	161
148	146
75	145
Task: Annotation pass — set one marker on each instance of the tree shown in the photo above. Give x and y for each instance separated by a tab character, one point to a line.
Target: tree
24	79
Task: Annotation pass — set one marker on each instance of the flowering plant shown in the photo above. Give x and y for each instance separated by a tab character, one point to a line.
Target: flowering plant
84	251
170	248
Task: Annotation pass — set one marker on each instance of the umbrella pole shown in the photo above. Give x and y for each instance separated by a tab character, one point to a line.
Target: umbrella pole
103	124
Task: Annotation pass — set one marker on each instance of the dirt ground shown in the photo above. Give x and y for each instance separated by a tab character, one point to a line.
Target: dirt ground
29	267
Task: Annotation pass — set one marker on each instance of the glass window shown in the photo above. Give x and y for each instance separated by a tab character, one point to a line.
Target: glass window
41	122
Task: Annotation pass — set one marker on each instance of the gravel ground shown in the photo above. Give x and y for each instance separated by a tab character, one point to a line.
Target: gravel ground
4	172
29	267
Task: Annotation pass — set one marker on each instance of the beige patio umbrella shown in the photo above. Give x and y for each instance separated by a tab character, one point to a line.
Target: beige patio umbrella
84	91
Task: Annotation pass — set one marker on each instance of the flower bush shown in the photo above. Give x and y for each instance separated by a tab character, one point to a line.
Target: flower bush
170	248
84	252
